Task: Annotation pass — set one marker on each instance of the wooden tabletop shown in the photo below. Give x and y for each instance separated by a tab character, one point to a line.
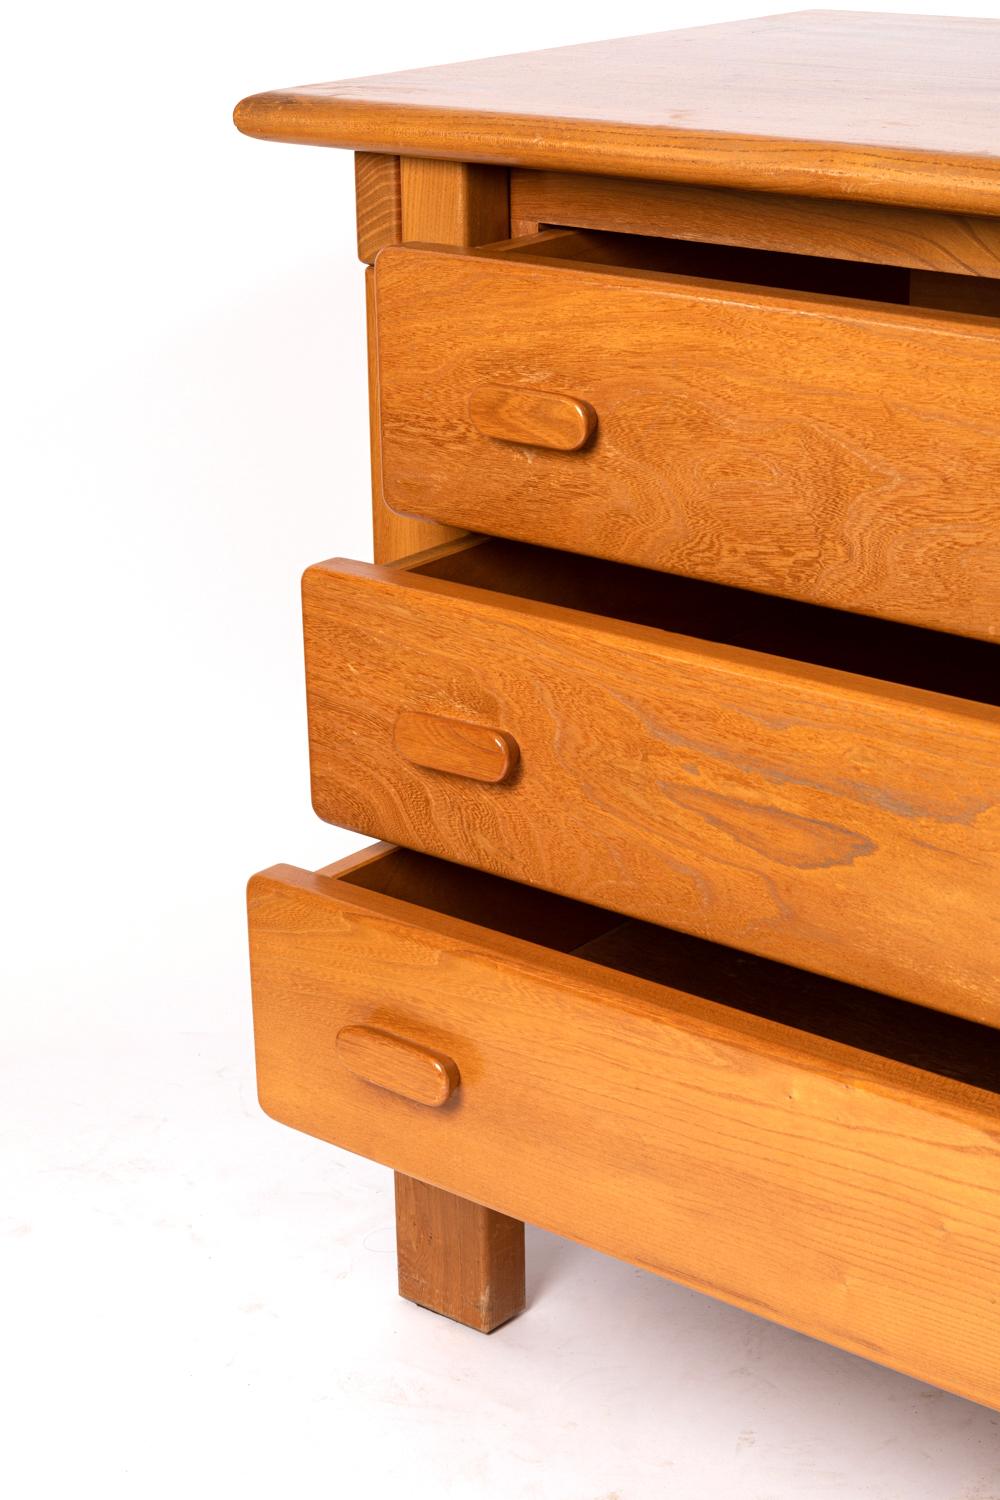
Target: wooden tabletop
889	108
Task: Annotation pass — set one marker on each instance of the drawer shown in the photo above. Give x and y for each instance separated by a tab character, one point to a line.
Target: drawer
764	1135
823	447
826	793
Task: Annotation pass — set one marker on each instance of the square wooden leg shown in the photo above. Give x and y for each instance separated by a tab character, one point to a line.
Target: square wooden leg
457	1258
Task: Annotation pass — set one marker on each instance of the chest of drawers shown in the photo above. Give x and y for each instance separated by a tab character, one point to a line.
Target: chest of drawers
673	687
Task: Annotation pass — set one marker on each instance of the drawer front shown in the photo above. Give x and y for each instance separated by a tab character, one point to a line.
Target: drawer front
844	453
844	1194
830	821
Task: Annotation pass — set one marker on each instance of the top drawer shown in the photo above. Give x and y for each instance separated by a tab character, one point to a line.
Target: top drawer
839	451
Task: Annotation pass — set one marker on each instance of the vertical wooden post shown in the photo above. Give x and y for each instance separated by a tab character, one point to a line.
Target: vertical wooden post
378	202
441	203
394	535
454	1257
457	1258
454	203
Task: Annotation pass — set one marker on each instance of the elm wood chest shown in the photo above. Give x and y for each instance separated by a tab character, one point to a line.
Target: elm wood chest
673	687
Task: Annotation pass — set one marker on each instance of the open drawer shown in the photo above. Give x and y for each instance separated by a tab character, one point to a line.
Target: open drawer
776	422
822	1156
591	729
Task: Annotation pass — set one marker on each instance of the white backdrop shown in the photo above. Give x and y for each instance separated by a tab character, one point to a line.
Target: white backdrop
196	1298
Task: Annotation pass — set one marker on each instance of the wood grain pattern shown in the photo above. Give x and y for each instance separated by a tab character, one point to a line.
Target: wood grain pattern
525	414
821	448
377	195
457	1258
394	536
451	204
837	1191
829	104
824	793
835	822
438	743
389	1061
454	203
768	221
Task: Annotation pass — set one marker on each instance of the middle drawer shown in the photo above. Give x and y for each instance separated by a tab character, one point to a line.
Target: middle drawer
825	794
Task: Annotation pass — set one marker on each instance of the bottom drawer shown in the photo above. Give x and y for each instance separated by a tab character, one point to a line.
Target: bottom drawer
821	1156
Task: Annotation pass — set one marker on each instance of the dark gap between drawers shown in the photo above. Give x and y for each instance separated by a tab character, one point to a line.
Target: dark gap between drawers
937	1043
905	654
557	922
775	270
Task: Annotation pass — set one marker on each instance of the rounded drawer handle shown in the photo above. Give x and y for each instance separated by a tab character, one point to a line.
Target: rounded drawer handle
441	744
403	1067
522	414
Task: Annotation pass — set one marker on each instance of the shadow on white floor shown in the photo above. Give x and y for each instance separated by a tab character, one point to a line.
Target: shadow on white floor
202	1303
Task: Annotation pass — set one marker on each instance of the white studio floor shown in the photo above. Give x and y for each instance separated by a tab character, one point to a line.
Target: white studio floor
200	1302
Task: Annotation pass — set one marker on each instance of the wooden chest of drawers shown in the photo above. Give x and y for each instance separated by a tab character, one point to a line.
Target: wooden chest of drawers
675	680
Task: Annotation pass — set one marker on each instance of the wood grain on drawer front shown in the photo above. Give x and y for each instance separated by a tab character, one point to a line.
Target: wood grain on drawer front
841	1193
833	822
842	452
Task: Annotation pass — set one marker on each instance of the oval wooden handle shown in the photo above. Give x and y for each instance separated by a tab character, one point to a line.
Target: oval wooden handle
521	414
401	1066
441	744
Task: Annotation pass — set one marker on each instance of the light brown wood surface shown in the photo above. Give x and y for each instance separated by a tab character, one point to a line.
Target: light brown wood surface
454	203
837	451
519	414
837	822
827	1186
377	197
462	1259
394	536
816	787
451	204
833	104
439	743
390	1061
457	1258
768	221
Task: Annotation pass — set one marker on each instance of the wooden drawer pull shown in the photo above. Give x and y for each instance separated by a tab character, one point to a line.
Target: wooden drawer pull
463	749
544	419
391	1062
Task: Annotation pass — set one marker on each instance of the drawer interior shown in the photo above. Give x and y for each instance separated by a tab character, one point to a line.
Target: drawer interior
740	983
774	270
882	649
